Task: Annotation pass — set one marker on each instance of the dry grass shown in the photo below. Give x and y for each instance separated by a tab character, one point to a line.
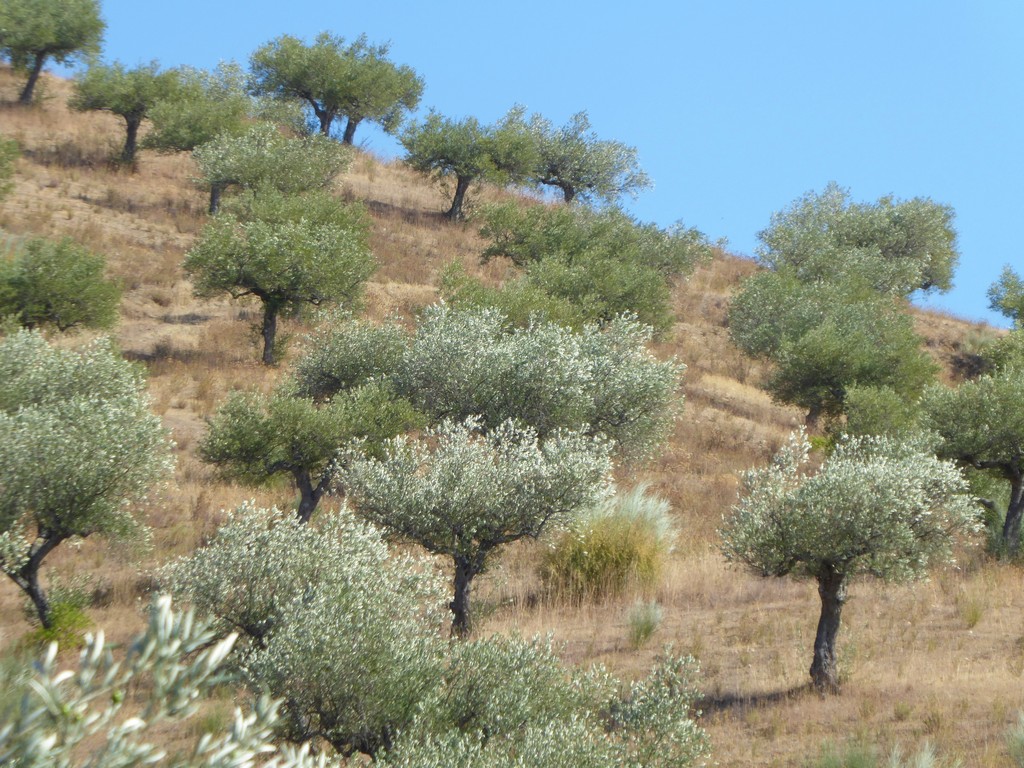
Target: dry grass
921	661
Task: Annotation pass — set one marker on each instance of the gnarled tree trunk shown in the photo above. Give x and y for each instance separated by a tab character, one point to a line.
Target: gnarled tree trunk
825	667
131	140
350	131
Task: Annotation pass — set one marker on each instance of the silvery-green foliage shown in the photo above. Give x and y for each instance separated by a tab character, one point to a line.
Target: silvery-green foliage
346	353
603	380
265	158
511	702
104	712
655	719
344	632
497	687
263	563
895	246
563	743
877	506
78	449
458	491
466	494
352	663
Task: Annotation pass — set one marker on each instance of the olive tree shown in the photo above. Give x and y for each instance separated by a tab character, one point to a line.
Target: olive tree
467	151
582	166
205	105
82	717
345	632
581	265
461	363
288	252
128	93
355	81
464	494
826	338
981	426
1006	295
264	158
78	449
897	246
32	31
876	507
59	284
254	438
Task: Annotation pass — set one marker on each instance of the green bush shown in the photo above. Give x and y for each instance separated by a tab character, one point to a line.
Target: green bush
60	284
621	544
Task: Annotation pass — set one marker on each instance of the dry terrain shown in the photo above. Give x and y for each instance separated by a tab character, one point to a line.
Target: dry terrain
940	661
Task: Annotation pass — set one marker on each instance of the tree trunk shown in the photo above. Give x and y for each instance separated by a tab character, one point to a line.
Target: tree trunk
325	117
461	187
824	668
461	619
27	578
811	420
269	331
1014	514
568	192
350	131
131	140
216	190
33	76
309	497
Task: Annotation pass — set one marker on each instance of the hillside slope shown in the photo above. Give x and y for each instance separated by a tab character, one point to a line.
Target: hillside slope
921	661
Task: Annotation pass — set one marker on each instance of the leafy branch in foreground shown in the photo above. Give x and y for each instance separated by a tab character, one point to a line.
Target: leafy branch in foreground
106	712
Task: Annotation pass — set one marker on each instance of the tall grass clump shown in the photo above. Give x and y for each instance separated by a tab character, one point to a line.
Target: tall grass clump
620	544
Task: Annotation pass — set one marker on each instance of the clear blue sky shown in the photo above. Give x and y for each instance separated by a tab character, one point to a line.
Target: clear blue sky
736	108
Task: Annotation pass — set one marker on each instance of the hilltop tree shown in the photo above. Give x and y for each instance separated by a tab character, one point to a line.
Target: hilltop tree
32	31
877	507
466	151
582	166
264	158
287	251
205	105
470	494
981	426
356	82
59	284
129	93
78	448
253	438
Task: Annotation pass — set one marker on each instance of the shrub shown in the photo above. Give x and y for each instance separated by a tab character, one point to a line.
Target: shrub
59	284
620	544
644	620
